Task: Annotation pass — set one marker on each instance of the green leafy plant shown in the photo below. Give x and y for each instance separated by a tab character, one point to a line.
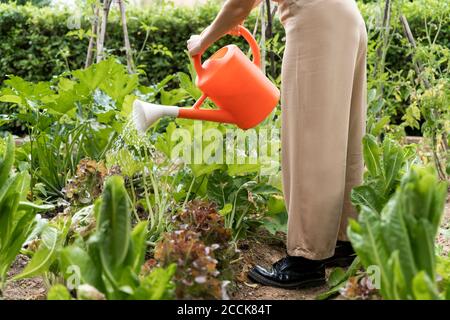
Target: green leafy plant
199	246
48	247
111	259
242	200
399	241
196	275
202	217
385	162
17	215
76	115
87	184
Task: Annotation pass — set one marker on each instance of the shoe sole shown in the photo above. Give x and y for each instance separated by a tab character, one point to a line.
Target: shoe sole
296	285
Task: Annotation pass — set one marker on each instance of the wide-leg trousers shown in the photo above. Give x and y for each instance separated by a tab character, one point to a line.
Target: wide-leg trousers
323	120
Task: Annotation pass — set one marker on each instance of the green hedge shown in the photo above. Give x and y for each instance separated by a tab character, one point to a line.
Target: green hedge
34	43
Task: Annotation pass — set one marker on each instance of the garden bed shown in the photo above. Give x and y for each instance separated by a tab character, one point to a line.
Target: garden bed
264	250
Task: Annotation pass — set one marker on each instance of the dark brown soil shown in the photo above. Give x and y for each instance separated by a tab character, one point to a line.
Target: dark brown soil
265	252
443	239
26	289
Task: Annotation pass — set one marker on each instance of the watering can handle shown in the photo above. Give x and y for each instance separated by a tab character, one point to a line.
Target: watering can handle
247	35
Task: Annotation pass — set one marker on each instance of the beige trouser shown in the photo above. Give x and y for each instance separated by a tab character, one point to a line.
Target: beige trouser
323	116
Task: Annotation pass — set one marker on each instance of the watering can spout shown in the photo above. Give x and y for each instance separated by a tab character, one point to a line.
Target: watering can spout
145	114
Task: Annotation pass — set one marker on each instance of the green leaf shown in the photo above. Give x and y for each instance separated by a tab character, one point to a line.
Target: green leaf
371	155
187	84
276	205
242	169
220	186
392	163
93	76
336	276
7	160
157	285
114	224
204	169
276	223
11	98
380	125
58	292
366	237
45	255
85	268
424	288
138	246
10	247
340	279
366	196
11	193
37	207
227	208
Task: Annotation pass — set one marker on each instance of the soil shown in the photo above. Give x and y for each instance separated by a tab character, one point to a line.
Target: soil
26	289
443	240
264	251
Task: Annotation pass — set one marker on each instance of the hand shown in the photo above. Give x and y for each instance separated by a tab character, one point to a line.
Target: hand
195	45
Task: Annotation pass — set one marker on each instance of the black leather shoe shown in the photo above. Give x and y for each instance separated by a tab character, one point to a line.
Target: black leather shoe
290	273
343	255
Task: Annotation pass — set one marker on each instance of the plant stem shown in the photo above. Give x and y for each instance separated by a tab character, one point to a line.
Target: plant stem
151	215
133	193
189	193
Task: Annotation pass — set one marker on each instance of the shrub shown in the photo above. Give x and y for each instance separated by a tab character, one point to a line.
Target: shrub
35	45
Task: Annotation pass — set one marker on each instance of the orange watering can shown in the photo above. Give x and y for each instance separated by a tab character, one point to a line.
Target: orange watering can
243	94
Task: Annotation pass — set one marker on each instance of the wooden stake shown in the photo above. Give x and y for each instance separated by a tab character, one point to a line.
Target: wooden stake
128	52
94	35
418	66
101	38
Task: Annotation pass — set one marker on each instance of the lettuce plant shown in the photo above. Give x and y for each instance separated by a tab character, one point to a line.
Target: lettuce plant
196	275
17	216
386	162
200	246
400	241
111	259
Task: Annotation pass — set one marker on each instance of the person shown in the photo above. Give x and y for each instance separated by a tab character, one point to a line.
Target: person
323	107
